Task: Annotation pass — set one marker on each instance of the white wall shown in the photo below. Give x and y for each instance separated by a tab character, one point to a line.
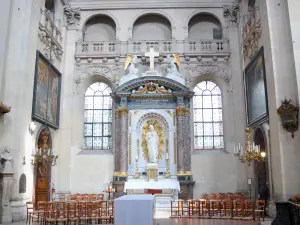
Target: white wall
152	27
100	28
201	27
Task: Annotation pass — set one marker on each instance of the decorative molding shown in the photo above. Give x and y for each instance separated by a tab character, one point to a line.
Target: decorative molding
50	37
85	70
72	16
122	111
231	12
220	69
152	116
251	36
108	4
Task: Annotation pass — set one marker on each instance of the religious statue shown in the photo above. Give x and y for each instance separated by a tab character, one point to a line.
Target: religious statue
172	68
130	64
152	144
132	60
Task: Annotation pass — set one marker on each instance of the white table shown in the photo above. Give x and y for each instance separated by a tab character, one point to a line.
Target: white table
134	210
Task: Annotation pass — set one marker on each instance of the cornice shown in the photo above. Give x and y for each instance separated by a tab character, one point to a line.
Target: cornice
134	4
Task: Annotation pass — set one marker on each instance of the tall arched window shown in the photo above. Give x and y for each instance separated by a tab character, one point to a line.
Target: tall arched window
208	119
98	117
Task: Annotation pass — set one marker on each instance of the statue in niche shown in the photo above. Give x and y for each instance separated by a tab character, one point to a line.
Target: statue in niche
152	144
172	67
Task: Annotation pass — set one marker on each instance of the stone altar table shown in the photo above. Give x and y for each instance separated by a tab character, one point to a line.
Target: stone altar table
134	210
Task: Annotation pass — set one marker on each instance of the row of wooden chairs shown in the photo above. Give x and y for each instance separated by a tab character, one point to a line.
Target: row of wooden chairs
228	195
221	209
71	211
86	197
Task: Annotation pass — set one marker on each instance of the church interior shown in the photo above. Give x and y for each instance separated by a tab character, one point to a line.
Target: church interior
149	112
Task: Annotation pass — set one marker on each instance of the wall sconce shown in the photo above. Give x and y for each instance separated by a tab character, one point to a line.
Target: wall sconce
24	161
32	127
289	116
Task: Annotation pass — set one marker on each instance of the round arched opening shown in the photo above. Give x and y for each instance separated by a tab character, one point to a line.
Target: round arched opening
260	168
204	26
152	27
100	28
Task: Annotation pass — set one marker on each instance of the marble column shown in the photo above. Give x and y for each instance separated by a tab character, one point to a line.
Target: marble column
180	111
121	157
281	84
187	136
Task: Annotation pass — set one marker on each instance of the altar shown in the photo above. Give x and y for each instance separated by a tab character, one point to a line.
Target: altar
165	187
153	144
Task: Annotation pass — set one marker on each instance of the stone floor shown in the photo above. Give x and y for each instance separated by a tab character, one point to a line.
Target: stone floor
268	221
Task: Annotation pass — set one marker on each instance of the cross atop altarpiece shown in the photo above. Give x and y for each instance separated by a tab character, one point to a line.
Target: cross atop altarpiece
152	54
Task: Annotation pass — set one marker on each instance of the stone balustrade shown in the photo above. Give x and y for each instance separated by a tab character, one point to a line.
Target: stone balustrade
50	28
117	48
207	47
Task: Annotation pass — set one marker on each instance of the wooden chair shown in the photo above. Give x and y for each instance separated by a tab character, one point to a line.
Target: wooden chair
204	208
249	213
176	209
260	209
30	211
226	209
49	213
72	212
238	210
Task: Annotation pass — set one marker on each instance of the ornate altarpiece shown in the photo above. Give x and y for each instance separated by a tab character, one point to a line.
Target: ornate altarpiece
165	103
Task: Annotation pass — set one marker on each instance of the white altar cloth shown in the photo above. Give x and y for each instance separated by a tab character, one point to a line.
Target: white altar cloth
134	210
160	184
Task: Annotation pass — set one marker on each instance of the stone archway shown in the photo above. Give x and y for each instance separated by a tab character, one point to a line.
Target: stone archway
42	180
260	168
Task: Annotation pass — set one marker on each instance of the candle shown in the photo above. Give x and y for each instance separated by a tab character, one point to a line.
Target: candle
259	148
167	155
234	150
136	157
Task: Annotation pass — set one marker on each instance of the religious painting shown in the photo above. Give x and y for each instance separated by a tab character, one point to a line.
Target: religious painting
256	89
46	95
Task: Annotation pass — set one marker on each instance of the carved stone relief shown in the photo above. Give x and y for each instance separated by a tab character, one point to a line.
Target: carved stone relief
220	69
72	16
231	12
251	36
84	70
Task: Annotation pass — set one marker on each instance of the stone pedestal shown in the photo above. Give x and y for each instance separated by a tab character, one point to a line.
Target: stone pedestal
5	210
152	171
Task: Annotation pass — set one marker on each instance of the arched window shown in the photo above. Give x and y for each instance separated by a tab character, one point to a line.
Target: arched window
208	119
22	184
98	117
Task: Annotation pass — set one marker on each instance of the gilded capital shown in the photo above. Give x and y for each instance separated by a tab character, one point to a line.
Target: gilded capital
122	111
180	110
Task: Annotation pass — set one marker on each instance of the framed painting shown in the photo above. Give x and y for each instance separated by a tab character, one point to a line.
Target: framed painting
46	92
256	89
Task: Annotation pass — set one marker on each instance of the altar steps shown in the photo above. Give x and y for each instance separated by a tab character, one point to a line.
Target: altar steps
163	203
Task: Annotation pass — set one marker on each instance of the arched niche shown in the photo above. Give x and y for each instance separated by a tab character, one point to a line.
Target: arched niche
152	27
50	8
99	28
204	26
22	184
260	168
251	5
